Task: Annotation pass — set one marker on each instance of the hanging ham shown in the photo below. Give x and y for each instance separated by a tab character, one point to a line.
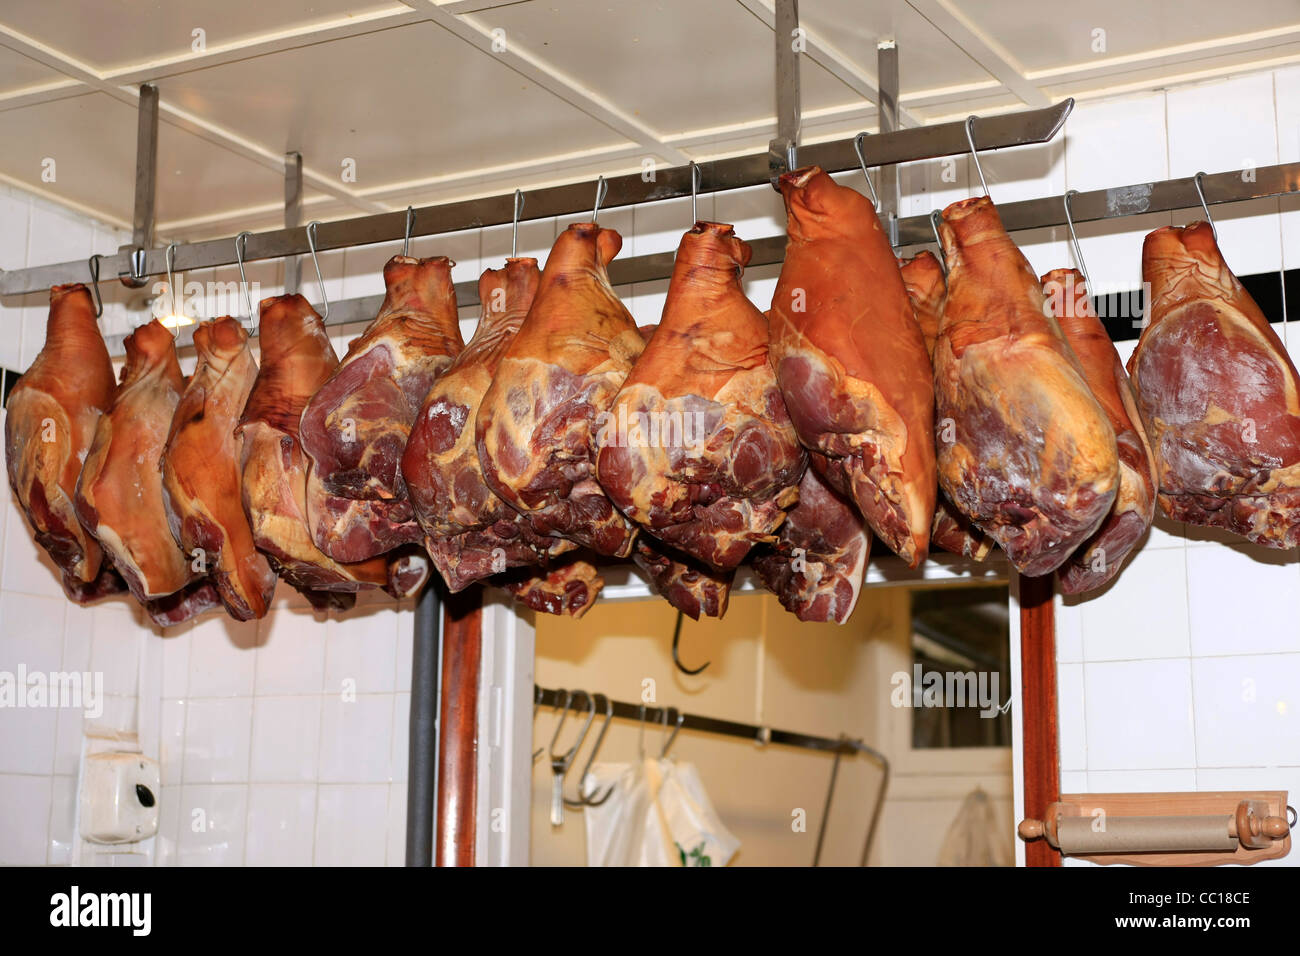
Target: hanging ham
53	412
201	471
537	424
820	559
926	285
851	360
697	447
354	428
470	533
297	358
690	586
568	589
1024	449
119	494
1100	557
1218	394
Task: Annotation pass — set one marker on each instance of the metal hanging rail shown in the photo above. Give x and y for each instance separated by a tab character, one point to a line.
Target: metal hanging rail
925	142
674	720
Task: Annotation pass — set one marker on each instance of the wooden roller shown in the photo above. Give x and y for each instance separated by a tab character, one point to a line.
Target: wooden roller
1105	826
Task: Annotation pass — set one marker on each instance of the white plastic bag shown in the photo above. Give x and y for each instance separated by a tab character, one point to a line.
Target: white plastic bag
657	815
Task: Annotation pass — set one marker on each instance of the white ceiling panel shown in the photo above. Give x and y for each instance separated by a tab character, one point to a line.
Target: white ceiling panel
18	71
679	65
91	140
927	58
113	34
406	104
1042	37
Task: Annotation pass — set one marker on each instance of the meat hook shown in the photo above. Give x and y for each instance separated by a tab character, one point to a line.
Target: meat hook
93	265
591	800
1200	194
537	754
1074	239
241	243
561	762
862	160
514	227
170	257
406	239
695	189
602	190
935	216
311	244
679	718
970	138
677	636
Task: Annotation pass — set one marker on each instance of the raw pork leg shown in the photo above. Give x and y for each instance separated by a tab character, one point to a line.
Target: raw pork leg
851	360
816	568
200	468
697	447
355	427
297	358
1102	555
119	494
52	414
1218	395
536	427
470	533
1025	451
927	287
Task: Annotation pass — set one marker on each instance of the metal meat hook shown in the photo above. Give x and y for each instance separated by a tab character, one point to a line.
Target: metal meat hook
677	661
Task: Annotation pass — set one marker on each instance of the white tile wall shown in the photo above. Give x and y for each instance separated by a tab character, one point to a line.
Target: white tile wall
285	741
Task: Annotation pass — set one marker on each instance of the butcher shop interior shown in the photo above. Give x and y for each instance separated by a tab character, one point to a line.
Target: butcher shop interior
612	433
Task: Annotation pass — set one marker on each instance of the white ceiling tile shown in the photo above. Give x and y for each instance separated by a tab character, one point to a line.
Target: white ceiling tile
677	65
1039	39
108	36
404	104
18	72
927	59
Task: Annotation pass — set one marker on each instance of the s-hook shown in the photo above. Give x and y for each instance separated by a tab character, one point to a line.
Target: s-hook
311	244
1200	194
862	161
677	637
975	155
695	191
1074	239
935	217
93	265
514	224
560	762
241	243
406	239
592	800
678	719
170	257
602	190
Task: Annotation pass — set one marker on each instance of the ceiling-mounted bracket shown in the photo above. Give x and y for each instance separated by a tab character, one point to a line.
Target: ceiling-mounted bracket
292	217
781	152
887	112
146	183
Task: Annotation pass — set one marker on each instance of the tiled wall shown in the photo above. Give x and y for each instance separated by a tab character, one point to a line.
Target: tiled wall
284	741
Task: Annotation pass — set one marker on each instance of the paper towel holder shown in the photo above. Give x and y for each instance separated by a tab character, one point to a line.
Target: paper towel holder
1167	829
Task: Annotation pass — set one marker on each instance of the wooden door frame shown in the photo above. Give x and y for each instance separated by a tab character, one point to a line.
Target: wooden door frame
1041	757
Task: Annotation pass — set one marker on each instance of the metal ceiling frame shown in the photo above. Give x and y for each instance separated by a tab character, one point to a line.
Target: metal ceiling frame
460	17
